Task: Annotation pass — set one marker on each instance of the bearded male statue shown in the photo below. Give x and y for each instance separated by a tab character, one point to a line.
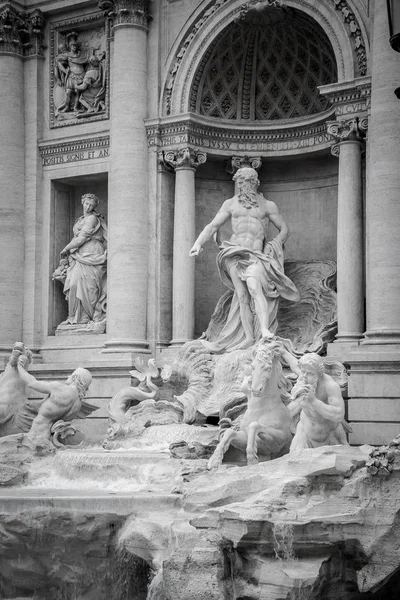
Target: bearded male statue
249	265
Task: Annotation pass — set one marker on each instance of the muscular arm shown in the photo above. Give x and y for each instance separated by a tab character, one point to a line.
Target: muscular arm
220	218
276	218
334	409
291	362
40	386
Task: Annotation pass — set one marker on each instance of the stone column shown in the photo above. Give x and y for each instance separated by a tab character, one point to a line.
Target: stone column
127	275
12	177
350	293
184	161
383	195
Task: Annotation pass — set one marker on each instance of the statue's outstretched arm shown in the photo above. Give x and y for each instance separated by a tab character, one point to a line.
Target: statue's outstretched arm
209	230
40	386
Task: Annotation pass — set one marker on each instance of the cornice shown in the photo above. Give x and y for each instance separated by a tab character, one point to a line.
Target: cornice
292	136
349	97
56	153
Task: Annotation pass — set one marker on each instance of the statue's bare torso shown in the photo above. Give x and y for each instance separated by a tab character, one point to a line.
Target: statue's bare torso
248	224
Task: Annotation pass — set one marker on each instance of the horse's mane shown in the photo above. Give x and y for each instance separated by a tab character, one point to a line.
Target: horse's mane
268	351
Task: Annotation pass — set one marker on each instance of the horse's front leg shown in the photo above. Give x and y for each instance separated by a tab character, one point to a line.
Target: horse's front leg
251	449
229	436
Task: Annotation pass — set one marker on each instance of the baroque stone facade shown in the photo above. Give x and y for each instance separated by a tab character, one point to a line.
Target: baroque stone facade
151	107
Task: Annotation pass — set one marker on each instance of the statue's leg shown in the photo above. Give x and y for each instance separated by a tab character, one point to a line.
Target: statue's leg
244	306
230	436
251	449
260	305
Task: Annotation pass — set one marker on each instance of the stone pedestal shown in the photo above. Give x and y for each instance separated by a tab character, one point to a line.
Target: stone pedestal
185	162
350	293
128	183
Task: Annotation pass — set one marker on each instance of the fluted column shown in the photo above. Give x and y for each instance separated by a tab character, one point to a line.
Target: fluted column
185	162
350	293
127	275
383	195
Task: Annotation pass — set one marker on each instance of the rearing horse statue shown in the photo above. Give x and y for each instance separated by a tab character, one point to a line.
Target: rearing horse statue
266	425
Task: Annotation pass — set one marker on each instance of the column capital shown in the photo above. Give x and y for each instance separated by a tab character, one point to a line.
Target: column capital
21	33
185	158
127	12
352	130
237	162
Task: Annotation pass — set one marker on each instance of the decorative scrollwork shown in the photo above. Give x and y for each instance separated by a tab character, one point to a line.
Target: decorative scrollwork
185	157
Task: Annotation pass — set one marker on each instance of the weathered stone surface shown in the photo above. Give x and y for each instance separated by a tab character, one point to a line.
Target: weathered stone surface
11	475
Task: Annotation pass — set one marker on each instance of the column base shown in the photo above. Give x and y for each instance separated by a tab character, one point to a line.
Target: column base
177	343
350	338
382	337
126	346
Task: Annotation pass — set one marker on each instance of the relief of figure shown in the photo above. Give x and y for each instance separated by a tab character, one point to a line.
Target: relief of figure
249	264
318	399
266	425
64	401
93	87
85	274
80	79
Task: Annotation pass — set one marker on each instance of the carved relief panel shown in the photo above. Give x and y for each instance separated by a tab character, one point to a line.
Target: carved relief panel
79	71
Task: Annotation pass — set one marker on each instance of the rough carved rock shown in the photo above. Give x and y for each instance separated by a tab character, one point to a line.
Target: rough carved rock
316	521
193	450
10	476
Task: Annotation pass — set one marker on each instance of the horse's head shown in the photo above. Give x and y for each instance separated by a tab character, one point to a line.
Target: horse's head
264	354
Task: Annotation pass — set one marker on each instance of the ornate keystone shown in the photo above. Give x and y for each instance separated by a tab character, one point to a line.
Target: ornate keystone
185	158
346	131
266	12
21	33
127	12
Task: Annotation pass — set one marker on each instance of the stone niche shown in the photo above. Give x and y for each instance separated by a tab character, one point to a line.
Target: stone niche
66	208
305	191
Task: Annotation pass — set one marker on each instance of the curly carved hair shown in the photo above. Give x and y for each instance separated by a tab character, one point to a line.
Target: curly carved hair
313	361
92	198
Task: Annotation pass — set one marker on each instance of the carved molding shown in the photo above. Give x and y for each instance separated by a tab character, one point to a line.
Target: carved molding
76	151
126	12
225	140
185	158
355	32
21	33
350	97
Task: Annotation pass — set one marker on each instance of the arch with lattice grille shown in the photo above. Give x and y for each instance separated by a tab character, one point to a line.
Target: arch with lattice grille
207	25
265	72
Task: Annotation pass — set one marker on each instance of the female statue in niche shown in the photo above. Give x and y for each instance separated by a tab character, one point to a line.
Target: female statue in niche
83	270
